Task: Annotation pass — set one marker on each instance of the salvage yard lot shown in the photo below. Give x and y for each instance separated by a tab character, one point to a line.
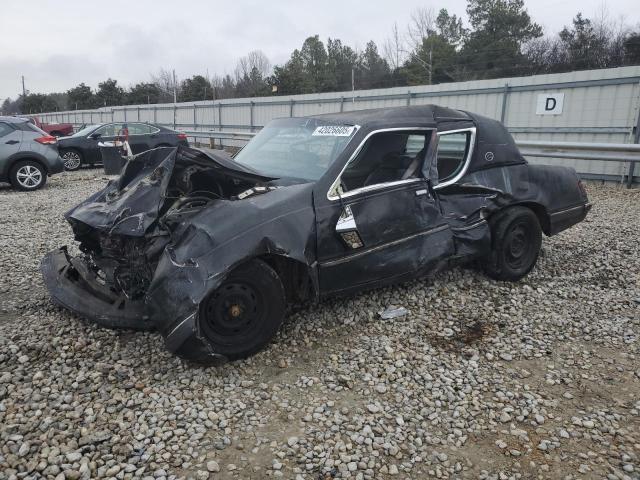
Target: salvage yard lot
537	379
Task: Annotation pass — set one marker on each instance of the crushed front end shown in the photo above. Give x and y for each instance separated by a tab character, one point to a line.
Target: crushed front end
125	229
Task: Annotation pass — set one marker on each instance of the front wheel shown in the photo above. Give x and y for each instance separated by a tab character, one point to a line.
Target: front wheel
28	175
516	238
72	160
242	315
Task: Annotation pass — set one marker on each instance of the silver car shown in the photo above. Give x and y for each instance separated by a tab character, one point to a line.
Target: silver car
28	155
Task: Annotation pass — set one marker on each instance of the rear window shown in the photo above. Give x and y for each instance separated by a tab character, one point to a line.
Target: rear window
5	129
30	127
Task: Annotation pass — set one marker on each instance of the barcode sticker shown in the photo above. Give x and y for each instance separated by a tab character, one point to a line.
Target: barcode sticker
334	131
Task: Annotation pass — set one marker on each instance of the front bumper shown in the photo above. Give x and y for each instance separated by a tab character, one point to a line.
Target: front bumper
75	287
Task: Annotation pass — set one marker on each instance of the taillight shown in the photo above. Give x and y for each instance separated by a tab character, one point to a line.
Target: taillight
582	188
47	140
182	136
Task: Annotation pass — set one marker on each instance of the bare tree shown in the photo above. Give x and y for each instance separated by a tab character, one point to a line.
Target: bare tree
255	61
394	49
422	25
167	83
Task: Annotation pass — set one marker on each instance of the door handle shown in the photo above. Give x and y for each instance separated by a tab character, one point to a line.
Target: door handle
11	142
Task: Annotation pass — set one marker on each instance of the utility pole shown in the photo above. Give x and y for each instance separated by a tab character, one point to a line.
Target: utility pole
24	91
430	63
175	87
353	85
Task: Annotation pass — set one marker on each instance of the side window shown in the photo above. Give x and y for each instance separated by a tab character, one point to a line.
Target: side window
141	129
5	129
109	130
452	154
386	157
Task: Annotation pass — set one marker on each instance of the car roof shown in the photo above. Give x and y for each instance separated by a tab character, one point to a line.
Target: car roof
13	119
420	115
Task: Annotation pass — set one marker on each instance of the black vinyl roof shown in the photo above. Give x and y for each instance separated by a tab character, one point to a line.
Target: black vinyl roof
419	115
494	146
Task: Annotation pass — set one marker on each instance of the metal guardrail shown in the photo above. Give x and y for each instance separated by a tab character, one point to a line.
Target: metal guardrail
606	152
609	152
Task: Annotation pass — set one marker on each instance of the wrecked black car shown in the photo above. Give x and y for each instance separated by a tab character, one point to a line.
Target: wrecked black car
210	250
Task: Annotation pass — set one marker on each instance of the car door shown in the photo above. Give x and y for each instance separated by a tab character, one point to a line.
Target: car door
380	221
140	136
10	140
105	133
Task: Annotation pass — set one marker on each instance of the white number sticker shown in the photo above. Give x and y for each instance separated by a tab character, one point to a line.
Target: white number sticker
334	131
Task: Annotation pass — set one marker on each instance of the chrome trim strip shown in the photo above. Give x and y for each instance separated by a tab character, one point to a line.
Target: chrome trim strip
472	143
469	227
377	186
384	245
571	209
180	324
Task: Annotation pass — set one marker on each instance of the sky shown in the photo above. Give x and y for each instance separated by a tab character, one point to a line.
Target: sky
57	45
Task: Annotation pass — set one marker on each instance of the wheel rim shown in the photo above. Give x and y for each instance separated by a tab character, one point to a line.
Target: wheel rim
29	176
232	312
519	251
71	160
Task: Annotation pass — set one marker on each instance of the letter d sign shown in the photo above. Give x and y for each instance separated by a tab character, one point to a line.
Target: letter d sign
549	104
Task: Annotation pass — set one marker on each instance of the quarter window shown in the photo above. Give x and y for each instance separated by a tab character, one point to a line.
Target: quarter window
386	157
452	154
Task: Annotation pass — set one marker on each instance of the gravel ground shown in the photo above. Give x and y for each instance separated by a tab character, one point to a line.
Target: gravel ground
482	379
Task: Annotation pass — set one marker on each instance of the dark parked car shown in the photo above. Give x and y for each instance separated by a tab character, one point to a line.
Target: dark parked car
27	154
82	148
210	250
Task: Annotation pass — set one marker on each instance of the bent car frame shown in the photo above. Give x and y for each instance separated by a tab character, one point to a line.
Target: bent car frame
209	250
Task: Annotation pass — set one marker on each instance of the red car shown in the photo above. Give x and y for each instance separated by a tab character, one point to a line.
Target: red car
55	129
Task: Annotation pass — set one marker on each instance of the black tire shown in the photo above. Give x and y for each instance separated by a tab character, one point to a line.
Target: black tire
516	238
28	175
72	159
242	315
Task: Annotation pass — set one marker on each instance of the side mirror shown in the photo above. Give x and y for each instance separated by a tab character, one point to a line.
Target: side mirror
95	136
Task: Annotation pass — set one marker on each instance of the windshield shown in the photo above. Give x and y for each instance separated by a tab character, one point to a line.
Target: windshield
301	148
85	131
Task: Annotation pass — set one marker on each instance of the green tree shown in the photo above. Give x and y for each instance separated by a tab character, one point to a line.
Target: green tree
374	71
195	88
341	59
291	77
315	62
435	61
81	97
632	49
38	103
109	94
450	28
494	46
143	93
583	45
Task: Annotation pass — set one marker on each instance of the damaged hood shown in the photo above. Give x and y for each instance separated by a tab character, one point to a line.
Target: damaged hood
133	202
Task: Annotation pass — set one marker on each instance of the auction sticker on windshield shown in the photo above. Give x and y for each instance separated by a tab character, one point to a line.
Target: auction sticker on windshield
334	131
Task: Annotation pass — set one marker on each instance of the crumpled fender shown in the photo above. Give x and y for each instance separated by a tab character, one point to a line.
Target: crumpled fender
228	233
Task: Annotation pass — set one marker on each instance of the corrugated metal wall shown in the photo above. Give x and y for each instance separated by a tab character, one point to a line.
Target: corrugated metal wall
599	106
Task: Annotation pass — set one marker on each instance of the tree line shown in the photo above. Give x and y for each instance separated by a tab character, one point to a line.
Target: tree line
497	39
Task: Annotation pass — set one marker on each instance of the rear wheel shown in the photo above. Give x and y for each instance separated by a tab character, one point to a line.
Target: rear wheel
516	238
28	175
72	159
242	315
